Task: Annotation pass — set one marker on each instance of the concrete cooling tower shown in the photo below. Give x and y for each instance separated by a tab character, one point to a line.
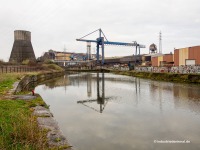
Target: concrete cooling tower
22	47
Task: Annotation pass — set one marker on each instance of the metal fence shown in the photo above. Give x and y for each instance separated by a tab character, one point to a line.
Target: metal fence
10	69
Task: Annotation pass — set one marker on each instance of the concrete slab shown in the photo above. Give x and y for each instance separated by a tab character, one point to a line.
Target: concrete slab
55	136
24	97
40	111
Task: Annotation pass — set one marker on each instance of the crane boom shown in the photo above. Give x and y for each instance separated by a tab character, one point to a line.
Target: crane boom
113	43
84	40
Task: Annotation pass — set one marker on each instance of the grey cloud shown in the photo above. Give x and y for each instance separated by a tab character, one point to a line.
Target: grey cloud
57	23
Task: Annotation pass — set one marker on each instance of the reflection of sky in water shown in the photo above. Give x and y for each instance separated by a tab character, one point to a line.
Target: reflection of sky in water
137	112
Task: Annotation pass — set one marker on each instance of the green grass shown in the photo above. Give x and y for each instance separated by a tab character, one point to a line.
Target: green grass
37	102
5	86
52	67
7	80
18	127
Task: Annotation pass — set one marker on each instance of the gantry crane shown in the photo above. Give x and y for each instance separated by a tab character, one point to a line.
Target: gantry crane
102	40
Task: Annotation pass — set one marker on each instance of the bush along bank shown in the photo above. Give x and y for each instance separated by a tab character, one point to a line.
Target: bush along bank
25	120
182	78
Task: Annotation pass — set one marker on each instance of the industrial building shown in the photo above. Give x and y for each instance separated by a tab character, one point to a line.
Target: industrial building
187	56
181	57
65	56
148	59
22	47
133	59
163	60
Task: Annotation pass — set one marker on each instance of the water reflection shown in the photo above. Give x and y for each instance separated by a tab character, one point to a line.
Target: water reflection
89	85
184	95
101	99
132	112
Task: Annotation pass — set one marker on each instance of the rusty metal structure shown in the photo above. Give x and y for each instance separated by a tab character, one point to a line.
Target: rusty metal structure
22	47
152	49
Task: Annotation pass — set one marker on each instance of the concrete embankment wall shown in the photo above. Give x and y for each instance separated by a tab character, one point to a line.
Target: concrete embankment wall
185	78
36	79
45	119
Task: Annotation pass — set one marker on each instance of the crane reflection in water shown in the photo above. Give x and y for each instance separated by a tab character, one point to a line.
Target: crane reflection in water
101	99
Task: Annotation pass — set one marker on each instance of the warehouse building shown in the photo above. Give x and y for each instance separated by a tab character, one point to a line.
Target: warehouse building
182	57
187	56
65	56
161	60
133	59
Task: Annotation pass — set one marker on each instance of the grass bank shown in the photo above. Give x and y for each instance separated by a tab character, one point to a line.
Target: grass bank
182	78
18	127
7	80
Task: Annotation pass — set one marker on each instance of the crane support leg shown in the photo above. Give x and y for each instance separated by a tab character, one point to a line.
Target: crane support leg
102	47
97	53
139	50
136	51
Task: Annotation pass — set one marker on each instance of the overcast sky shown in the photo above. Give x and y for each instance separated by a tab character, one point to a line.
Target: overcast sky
55	23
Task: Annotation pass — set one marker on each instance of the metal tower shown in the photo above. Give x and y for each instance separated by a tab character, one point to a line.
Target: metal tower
88	50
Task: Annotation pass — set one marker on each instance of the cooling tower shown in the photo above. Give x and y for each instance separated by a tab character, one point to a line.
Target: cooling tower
22	47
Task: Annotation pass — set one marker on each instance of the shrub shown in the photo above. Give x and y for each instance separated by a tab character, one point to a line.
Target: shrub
48	61
52	67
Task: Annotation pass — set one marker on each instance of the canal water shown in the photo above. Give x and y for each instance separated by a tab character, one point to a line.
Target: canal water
102	111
